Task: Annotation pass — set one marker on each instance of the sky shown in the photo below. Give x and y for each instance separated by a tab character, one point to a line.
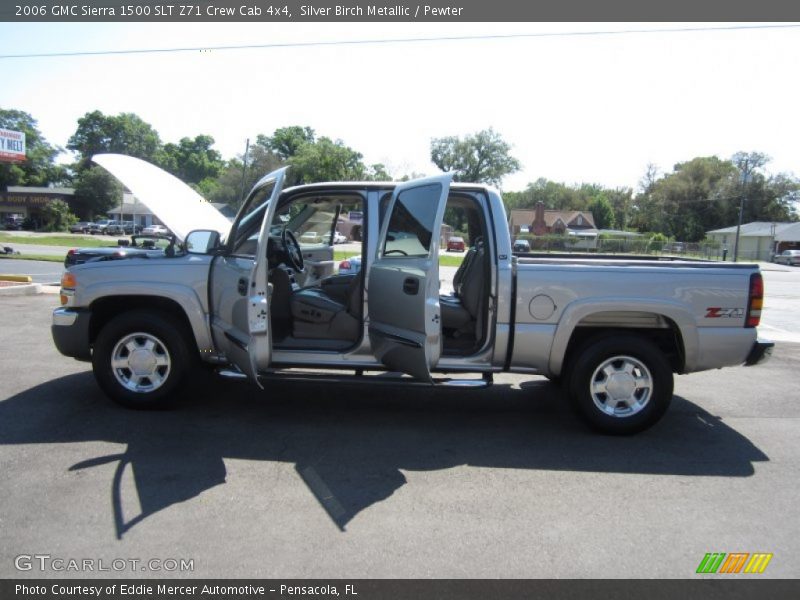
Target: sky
576	108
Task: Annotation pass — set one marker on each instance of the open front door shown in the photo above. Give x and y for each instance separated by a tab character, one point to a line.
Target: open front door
239	294
405	328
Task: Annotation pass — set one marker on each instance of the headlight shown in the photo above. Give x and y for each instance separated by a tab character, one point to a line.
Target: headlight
68	284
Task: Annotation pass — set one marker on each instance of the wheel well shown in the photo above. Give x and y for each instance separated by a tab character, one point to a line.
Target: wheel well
105	309
668	339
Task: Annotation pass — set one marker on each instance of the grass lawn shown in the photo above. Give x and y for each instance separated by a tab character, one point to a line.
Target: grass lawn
84	241
444	260
47	257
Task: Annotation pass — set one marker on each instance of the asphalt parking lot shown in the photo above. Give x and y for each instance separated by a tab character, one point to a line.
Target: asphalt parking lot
309	480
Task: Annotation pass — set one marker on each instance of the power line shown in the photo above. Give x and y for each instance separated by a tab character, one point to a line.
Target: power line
415	40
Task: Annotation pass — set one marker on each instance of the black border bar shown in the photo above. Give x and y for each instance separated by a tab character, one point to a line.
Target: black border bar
705	588
398	10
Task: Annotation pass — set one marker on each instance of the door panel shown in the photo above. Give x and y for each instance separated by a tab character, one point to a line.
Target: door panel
240	305
403	282
319	263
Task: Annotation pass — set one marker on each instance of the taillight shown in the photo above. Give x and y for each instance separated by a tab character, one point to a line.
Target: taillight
345	264
756	301
71	252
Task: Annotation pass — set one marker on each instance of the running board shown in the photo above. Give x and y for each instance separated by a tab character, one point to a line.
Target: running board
231	374
381	378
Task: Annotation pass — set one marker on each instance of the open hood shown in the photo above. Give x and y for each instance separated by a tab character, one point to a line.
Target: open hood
176	204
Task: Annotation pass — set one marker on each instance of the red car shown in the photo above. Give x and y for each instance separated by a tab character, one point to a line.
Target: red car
456	244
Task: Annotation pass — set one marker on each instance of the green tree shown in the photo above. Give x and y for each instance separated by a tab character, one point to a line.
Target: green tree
234	179
39	168
483	157
705	193
125	133
285	142
56	216
377	172
326	160
687	202
96	192
602	212
620	200
554	196
191	160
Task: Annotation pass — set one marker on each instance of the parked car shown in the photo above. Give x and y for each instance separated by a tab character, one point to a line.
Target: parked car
101	227
116	228
81	227
311	237
123	228
350	266
788	257
14	223
339	238
522	246
155	230
131	228
675	247
148	246
456	244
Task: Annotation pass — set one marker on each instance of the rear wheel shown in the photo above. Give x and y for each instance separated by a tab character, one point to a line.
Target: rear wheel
140	360
621	384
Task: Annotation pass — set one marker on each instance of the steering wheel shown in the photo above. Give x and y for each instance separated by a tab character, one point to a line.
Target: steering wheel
292	248
396	251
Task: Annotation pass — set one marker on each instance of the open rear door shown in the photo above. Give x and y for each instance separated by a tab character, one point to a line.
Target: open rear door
405	328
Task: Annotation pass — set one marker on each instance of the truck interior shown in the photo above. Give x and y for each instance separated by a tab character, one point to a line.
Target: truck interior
314	307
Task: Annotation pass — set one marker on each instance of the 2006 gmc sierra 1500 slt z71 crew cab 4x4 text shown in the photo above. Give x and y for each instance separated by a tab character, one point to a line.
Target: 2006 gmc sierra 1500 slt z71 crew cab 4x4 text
251	298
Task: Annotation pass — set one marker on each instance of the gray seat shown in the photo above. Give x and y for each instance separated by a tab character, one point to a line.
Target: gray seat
316	315
461	310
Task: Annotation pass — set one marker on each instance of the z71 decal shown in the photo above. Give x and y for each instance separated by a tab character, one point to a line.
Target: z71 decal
724	313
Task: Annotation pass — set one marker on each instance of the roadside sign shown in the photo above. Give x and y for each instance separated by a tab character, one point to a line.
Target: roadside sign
12	146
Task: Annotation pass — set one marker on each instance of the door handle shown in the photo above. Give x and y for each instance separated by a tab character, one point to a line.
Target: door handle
411	286
242	287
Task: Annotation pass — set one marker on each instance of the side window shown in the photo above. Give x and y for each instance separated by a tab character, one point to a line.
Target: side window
322	220
411	223
245	235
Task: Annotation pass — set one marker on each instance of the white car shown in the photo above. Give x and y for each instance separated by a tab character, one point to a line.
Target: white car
155	230
339	238
788	257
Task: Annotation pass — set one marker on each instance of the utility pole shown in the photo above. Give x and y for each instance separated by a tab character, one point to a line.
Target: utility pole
745	176
244	170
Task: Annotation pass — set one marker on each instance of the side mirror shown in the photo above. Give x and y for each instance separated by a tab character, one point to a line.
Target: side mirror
202	241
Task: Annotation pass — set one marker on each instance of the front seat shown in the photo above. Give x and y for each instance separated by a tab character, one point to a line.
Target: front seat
461	310
315	315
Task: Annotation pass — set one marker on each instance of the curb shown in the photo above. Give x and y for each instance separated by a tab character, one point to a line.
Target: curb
29	289
19	278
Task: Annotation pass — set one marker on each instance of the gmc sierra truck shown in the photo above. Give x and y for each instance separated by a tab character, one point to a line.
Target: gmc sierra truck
252	299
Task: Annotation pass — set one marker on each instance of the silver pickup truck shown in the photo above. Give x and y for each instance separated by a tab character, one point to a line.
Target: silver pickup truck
249	297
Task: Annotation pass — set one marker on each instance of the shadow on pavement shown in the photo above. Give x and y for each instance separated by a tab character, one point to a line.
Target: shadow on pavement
349	443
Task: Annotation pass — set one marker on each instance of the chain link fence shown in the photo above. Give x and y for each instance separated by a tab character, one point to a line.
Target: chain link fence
641	246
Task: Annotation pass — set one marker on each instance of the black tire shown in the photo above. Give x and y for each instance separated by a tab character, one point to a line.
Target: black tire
163	366
640	377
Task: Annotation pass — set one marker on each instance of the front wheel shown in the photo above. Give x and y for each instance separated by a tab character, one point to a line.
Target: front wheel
621	384
140	360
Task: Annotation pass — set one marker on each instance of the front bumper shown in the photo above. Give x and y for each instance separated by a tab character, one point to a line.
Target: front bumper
760	352
70	331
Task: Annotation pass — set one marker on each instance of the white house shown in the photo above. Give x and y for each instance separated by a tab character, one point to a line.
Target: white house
758	240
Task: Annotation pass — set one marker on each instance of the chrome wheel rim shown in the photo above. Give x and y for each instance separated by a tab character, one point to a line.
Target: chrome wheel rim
621	386
141	362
